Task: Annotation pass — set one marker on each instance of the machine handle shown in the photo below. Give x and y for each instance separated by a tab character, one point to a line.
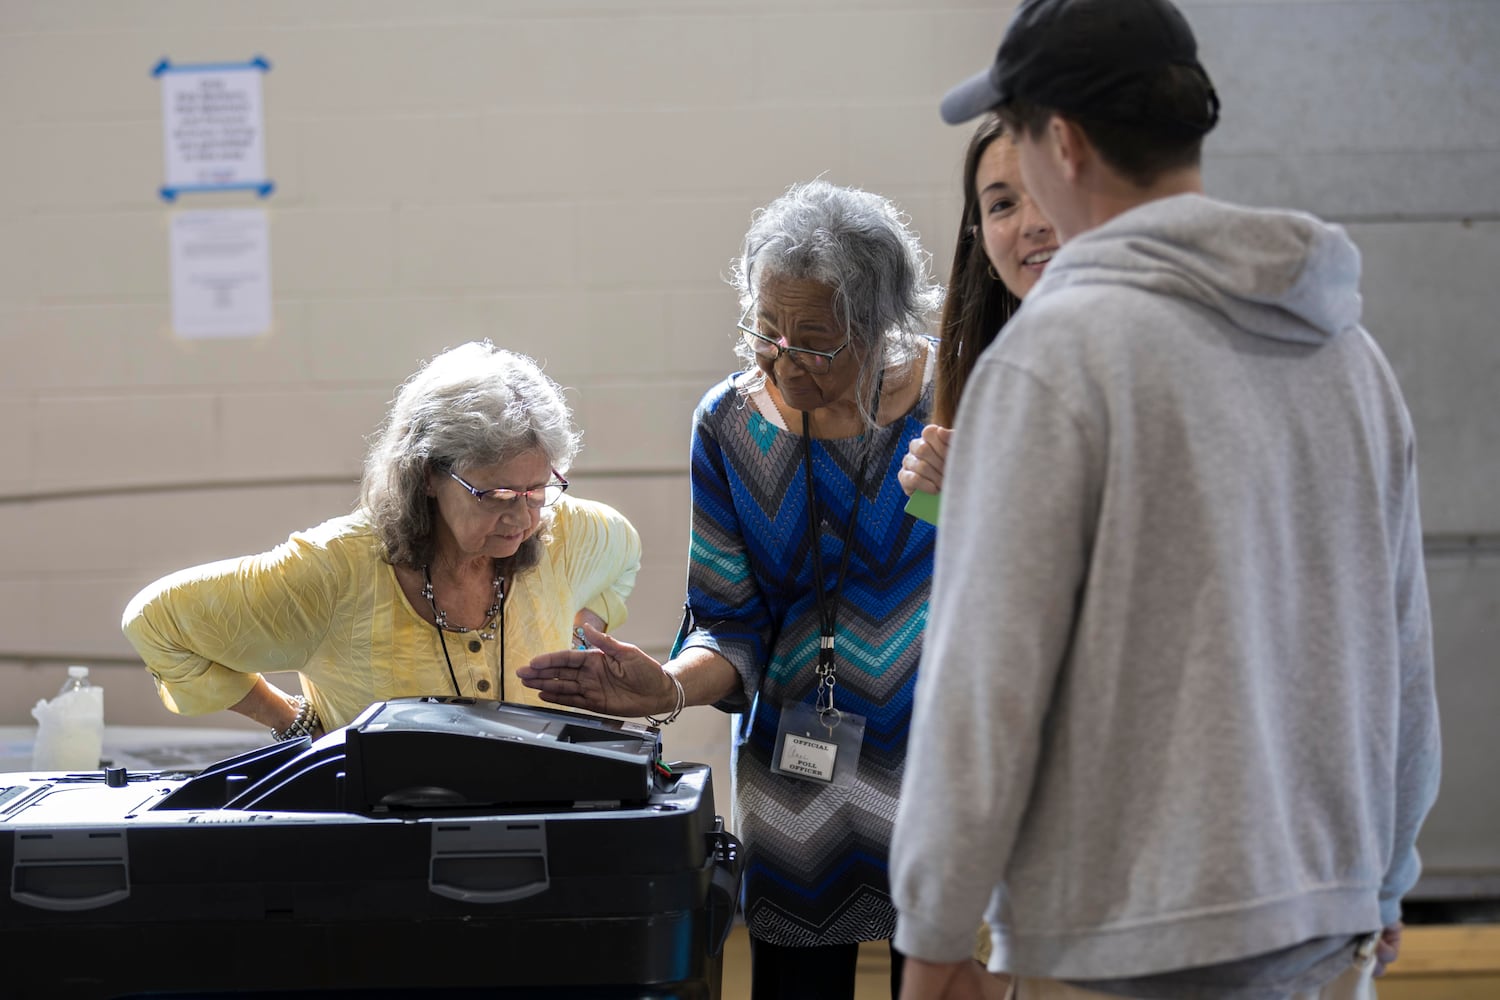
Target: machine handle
488	862
78	869
724	884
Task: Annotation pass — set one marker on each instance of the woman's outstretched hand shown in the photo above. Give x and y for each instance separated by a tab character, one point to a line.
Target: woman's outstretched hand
612	678
922	468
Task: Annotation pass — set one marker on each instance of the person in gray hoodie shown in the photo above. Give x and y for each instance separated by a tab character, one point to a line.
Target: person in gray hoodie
1175	728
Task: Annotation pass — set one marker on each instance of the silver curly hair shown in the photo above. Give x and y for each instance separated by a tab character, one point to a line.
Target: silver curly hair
860	245
470	406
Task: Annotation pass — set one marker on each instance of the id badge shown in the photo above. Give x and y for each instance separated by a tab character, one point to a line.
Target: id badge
805	757
807	749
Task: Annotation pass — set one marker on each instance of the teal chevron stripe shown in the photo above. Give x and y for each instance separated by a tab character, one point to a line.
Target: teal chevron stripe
872	656
762	432
732	566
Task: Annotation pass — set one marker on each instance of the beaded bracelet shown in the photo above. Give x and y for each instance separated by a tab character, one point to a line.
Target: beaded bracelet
305	722
677	709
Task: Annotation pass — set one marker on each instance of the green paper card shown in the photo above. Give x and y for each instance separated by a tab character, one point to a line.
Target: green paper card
924	506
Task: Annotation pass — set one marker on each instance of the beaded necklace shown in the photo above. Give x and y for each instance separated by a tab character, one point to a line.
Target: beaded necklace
494	624
492	616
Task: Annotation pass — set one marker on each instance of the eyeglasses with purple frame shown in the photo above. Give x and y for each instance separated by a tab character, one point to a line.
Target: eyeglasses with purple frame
542	496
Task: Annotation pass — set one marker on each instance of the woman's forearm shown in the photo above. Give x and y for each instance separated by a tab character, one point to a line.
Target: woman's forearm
706	677
267	704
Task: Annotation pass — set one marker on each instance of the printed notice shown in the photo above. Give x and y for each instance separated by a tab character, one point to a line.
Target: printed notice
213	128
221	273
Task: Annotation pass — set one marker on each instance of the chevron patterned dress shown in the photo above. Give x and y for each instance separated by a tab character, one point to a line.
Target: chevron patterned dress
816	853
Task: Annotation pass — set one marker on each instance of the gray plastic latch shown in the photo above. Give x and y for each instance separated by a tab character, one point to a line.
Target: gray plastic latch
489	862
74	869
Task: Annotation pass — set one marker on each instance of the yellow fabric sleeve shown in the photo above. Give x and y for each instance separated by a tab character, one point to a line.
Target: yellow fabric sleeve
327	605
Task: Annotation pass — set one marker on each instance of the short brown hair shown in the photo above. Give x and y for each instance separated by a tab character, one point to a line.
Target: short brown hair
1150	127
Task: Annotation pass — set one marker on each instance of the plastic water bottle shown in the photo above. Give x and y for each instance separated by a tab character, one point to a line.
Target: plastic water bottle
70	727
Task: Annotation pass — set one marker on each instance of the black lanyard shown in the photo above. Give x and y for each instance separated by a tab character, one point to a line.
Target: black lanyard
457	692
828	605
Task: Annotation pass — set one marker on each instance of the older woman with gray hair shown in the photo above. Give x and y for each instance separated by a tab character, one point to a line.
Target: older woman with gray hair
807	584
463	560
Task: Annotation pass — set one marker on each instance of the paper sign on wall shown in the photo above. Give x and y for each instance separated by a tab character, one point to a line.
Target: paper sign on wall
213	127
221	273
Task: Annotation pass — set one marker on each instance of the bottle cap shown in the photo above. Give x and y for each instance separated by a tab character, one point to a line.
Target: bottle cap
78	671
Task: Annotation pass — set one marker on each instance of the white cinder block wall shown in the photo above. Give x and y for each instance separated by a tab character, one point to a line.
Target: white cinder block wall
571	178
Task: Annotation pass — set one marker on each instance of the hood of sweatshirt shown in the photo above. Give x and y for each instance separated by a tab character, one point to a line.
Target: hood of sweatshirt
1279	274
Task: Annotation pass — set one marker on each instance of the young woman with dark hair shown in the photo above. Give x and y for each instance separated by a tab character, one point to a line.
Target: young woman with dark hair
1004	244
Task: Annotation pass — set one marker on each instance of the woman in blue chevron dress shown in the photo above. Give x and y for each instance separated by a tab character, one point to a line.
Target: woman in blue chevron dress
808	583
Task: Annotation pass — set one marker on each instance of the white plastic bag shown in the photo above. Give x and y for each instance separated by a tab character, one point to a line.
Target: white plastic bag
70	731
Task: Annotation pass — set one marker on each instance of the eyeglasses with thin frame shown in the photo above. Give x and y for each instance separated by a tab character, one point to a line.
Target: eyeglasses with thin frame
817	362
542	496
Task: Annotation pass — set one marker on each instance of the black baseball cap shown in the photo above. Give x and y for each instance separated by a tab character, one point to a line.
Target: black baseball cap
1078	55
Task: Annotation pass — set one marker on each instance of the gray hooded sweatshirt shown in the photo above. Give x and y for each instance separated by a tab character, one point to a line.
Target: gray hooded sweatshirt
1176	704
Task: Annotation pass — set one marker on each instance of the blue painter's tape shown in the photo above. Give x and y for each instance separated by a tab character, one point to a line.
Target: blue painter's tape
261	188
167	66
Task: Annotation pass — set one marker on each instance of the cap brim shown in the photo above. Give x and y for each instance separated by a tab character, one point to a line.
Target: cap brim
969	99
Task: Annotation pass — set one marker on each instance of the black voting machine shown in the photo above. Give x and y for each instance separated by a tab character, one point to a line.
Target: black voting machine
434	846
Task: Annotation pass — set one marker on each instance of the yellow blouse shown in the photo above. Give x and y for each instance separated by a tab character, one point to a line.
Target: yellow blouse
327	605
